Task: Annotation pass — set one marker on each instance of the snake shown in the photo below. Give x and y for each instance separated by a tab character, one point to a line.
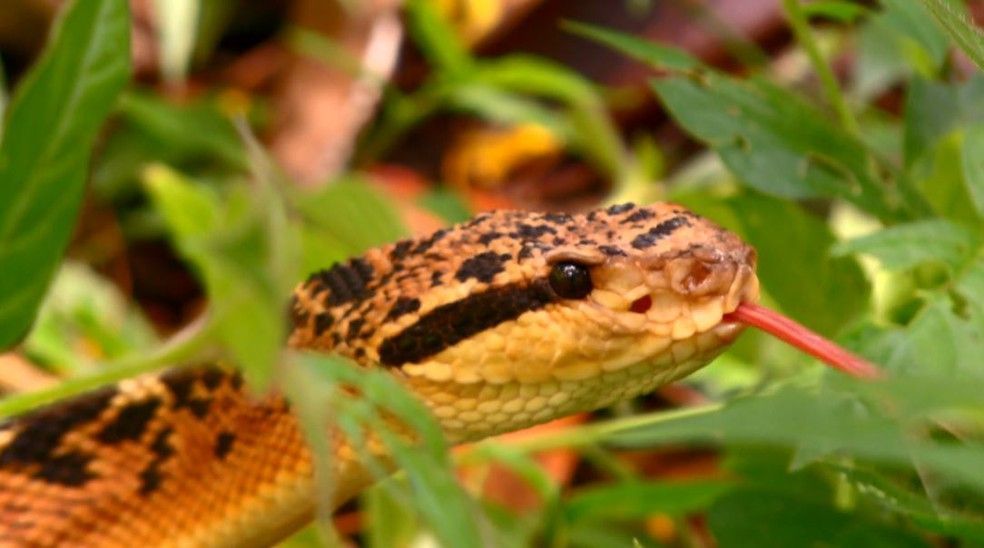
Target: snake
507	320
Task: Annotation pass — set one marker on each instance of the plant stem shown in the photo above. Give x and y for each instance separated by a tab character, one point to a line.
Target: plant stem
186	344
801	29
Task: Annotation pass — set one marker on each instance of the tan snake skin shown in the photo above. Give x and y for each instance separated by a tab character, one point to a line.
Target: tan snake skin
508	320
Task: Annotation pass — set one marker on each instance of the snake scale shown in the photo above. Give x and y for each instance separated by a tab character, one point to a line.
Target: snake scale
507	320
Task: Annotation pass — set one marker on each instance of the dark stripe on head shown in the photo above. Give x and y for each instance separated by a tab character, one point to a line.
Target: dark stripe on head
345	282
658	232
454	322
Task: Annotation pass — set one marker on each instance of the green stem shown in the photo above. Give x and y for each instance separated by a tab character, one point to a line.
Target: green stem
183	346
590	434
801	29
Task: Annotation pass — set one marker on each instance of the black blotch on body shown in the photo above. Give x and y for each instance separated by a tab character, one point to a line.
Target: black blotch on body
131	422
400	250
454	322
486	239
161	447
558	218
150	478
346	282
429	242
41	431
436	278
322	322
180	383
483	267
403	305
69	469
199	406
658	232
639	216
532	232
223	444
211	377
611	251
354	328
618	209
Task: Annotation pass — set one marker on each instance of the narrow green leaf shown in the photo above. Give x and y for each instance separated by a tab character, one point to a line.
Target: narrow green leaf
839	10
907	245
654	54
954	18
437	39
51	125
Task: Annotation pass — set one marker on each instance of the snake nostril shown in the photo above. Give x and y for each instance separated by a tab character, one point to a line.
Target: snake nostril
642	304
699	272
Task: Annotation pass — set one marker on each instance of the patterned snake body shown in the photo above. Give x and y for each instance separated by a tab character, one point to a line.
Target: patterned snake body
508	320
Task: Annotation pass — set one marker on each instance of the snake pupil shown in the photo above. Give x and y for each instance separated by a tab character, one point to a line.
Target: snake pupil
570	280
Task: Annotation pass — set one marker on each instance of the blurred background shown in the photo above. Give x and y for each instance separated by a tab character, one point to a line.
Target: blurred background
383	118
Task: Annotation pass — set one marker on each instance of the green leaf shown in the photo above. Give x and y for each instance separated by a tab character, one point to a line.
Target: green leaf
775	142
243	257
839	10
954	18
918	36
436	38
646	51
759	517
907	245
402	423
52	123
638	500
935	109
84	310
351	213
972	156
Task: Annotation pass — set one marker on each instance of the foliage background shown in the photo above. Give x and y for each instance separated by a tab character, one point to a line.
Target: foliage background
851	155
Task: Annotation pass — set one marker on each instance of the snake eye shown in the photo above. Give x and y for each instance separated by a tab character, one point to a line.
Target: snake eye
570	280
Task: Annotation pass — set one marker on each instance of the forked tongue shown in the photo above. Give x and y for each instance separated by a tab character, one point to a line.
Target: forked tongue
799	336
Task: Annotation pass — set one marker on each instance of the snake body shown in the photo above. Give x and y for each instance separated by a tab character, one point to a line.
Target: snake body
508	320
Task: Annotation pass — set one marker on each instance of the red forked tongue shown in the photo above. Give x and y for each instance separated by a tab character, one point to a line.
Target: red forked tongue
795	334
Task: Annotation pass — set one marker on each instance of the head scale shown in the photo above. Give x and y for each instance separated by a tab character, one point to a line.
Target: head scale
581	309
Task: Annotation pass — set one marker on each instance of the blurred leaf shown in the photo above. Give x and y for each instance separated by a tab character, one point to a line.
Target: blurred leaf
236	251
51	125
436	38
934	109
953	16
838	422
445	204
390	523
177	25
904	246
196	137
84	321
353	213
839	10
648	52
762	518
404	425
883	491
638	500
972	155
918	37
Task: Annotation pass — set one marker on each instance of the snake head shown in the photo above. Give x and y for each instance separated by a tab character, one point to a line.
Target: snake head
517	317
